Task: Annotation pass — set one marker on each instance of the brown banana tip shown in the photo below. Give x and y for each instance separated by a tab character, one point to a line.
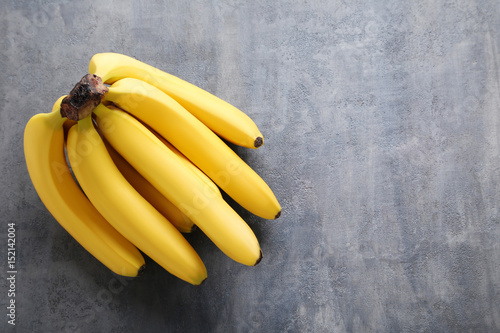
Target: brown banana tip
260	258
199	284
141	270
277	215
259	141
194	228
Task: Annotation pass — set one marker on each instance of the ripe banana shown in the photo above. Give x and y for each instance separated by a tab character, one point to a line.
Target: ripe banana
52	179
162	168
128	167
221	117
150	193
197	142
125	209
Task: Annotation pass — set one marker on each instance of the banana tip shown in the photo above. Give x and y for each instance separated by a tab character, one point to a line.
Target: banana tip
141	270
278	215
259	141
199	284
260	258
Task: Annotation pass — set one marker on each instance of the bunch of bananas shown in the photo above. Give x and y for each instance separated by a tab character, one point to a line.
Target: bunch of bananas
133	169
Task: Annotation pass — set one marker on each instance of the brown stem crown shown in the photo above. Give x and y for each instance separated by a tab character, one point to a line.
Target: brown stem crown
83	98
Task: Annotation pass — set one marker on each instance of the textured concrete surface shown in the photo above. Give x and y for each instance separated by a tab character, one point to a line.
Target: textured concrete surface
382	128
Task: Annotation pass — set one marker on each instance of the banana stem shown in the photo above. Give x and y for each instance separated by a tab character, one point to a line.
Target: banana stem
83	98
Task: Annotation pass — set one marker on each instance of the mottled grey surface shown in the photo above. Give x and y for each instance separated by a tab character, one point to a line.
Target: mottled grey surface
382	128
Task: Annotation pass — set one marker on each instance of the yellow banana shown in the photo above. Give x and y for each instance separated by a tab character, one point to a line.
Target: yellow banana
162	168
150	193
223	118
197	142
125	209
52	179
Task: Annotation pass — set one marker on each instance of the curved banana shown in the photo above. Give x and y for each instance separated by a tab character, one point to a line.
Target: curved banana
162	168
125	209
220	116
197	142
150	193
52	179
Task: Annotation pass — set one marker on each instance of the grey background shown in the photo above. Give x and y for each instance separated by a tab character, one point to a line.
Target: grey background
382	131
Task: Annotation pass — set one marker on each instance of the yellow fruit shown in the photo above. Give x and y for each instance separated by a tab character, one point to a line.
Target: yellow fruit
125	209
197	142
163	169
220	116
54	183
